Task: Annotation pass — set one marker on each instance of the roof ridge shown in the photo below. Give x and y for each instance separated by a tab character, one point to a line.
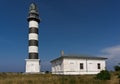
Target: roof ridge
82	57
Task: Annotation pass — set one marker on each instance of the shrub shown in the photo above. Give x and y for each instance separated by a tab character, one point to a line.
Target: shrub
47	72
117	68
118	76
103	75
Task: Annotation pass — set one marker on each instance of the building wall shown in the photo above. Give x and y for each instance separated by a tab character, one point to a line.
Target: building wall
57	67
72	66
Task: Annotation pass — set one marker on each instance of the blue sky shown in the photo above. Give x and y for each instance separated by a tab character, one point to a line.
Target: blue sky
90	27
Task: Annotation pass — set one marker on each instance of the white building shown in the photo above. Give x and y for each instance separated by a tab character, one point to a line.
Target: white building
75	65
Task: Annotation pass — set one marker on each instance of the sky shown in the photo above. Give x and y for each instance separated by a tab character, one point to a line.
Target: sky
89	27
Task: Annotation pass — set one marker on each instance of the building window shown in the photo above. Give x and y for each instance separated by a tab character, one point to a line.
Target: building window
81	65
98	65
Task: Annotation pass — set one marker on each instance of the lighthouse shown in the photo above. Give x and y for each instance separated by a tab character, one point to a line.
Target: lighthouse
33	61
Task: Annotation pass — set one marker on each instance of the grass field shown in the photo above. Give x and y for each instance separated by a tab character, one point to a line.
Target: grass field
18	78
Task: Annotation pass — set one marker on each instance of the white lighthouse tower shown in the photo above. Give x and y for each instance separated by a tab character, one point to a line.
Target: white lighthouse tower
33	61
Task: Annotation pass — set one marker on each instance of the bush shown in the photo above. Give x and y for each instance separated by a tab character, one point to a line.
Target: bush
47	72
117	68
103	75
118	75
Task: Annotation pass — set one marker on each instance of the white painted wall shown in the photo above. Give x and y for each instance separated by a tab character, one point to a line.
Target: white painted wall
57	67
32	66
33	49
33	36
72	66
33	24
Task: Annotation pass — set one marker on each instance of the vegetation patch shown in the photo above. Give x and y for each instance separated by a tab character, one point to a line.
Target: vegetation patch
103	75
19	78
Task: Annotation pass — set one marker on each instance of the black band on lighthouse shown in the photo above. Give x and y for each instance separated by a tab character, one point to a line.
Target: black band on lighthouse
33	43
33	18
33	55
33	30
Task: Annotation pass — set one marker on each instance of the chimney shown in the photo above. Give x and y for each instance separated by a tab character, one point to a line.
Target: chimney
62	53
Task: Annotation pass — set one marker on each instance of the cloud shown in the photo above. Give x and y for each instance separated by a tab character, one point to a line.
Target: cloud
113	55
114	50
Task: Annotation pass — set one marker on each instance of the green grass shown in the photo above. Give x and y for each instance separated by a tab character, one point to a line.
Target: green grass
18	78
